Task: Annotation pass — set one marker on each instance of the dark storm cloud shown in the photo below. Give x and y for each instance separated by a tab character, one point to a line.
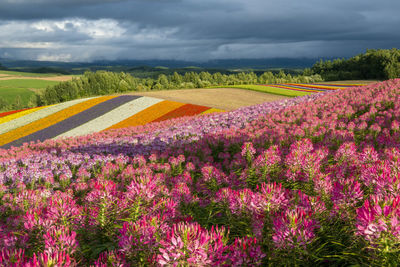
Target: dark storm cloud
197	29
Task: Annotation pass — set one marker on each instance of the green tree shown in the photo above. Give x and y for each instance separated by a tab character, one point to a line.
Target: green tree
163	81
176	79
307	72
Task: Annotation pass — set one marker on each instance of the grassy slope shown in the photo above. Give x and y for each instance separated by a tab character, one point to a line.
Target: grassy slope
9	89
25	88
269	90
9	94
26	83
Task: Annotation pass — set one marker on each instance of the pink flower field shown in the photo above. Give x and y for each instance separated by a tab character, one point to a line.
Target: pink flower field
313	180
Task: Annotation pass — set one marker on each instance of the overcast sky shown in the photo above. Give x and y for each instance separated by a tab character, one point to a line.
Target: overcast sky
85	30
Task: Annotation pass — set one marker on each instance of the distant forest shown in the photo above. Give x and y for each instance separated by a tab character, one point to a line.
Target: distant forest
104	82
380	64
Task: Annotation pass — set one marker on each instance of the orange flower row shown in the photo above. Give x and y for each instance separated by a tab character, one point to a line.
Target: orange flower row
50	120
185	110
148	115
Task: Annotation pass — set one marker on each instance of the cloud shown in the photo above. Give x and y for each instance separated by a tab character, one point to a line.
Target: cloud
52	57
195	30
95	29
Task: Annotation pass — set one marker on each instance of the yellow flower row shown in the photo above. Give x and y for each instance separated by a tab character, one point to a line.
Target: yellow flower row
148	115
212	110
19	114
346	84
50	120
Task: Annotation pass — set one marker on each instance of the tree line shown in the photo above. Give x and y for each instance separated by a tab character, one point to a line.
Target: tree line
103	83
379	64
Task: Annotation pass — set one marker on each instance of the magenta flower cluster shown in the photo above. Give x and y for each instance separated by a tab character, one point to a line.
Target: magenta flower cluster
267	184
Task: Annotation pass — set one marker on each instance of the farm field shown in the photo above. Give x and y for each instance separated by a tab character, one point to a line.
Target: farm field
7	75
306	180
25	88
25	85
222	98
90	115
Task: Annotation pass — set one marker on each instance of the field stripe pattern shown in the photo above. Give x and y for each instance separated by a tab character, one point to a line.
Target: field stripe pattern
90	115
312	87
74	121
40	114
3	114
48	121
109	119
148	115
212	110
295	88
185	110
19	114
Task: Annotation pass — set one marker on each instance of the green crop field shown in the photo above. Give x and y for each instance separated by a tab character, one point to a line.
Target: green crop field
25	88
9	94
269	90
26	83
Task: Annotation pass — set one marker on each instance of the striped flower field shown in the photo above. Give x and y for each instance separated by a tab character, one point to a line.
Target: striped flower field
312	88
90	115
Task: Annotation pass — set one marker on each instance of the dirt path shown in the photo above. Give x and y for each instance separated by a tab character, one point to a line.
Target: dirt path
62	78
222	98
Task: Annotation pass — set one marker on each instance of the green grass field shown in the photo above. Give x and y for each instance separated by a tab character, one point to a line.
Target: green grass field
269	90
26	74
26	83
10	89
9	94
